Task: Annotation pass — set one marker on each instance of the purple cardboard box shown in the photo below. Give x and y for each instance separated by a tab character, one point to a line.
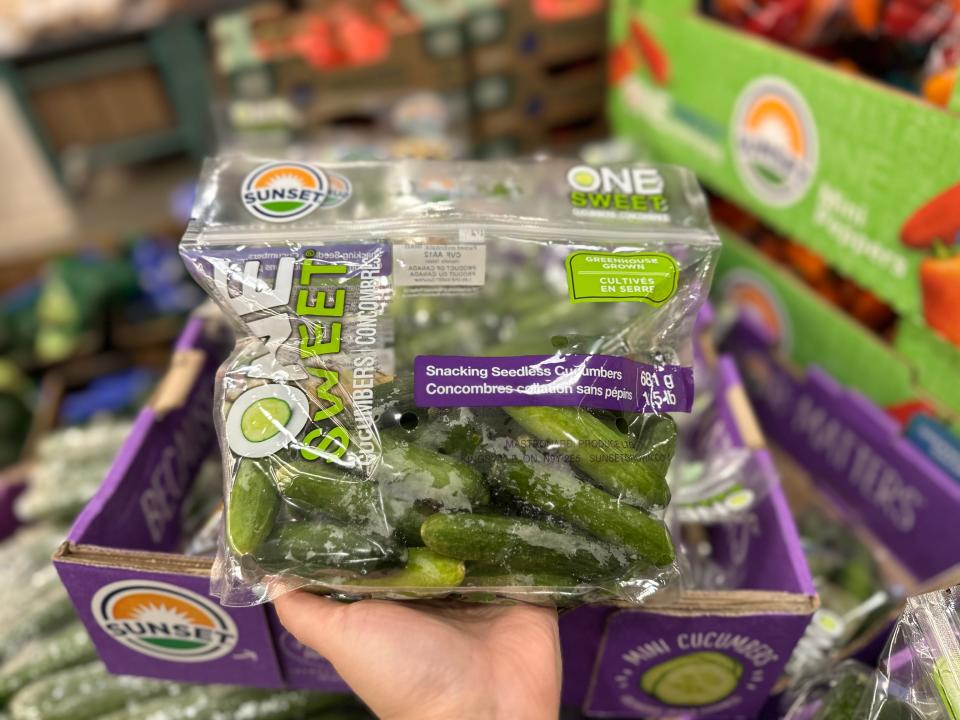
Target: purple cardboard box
13	481
711	654
148	610
855	454
146	607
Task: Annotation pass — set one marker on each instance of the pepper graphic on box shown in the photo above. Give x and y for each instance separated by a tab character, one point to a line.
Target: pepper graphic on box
774	141
164	621
282	192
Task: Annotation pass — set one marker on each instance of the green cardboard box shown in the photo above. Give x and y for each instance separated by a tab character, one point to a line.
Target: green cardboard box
842	164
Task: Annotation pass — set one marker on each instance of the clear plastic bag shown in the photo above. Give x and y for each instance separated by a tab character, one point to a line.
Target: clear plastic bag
450	378
918	677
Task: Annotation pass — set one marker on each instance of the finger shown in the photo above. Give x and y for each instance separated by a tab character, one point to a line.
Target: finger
311	619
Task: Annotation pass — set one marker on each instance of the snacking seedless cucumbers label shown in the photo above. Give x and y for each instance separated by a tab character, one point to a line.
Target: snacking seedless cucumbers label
594	277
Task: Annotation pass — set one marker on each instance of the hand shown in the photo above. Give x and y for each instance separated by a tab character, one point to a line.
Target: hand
426	661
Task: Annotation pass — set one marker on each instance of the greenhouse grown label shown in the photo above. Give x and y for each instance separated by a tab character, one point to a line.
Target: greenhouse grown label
650	278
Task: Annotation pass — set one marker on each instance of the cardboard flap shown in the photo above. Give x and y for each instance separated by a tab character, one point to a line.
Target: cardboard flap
138	506
731	603
174	389
94	555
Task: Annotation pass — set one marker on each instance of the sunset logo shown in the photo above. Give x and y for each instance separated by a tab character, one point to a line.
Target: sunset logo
774	141
760	304
339	191
283	192
164	621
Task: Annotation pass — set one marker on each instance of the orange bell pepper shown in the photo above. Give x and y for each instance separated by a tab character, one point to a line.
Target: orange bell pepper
940	289
620	64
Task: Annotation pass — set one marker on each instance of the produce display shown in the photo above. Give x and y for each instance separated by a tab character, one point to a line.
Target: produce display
83	452
450	378
854	596
912	44
918	677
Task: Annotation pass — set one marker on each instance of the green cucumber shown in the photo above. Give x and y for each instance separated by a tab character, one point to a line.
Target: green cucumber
82	693
414	474
198	702
657	442
410	483
252	508
392	399
44	610
220	702
456	432
424	568
601	452
406	520
315	545
556	490
333	491
496	578
843	699
43	656
521	545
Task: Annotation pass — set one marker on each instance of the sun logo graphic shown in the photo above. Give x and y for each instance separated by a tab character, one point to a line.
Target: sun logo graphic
774	141
283	192
339	190
759	302
164	621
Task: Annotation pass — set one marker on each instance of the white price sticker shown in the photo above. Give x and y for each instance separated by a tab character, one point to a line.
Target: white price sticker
456	265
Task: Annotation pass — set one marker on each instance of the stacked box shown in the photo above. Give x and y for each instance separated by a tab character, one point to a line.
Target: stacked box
410	57
842	445
115	101
862	174
538	78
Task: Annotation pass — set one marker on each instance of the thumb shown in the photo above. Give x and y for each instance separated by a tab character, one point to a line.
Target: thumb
313	620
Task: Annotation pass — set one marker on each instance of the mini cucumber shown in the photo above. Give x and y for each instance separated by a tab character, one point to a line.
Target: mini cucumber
333	491
844	697
555	490
392	399
82	693
456	432
492	577
406	520
194	703
657	442
43	656
521	545
252	507
43	612
424	568
414	474
317	545
603	453
218	702
410	483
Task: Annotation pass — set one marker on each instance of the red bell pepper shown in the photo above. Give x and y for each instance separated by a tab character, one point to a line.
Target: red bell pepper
651	52
937	221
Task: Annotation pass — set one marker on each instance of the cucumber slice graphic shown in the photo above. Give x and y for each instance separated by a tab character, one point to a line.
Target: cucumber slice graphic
264	419
693	680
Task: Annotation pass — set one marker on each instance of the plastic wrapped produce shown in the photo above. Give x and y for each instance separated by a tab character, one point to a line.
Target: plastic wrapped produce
918	677
84	454
448	374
